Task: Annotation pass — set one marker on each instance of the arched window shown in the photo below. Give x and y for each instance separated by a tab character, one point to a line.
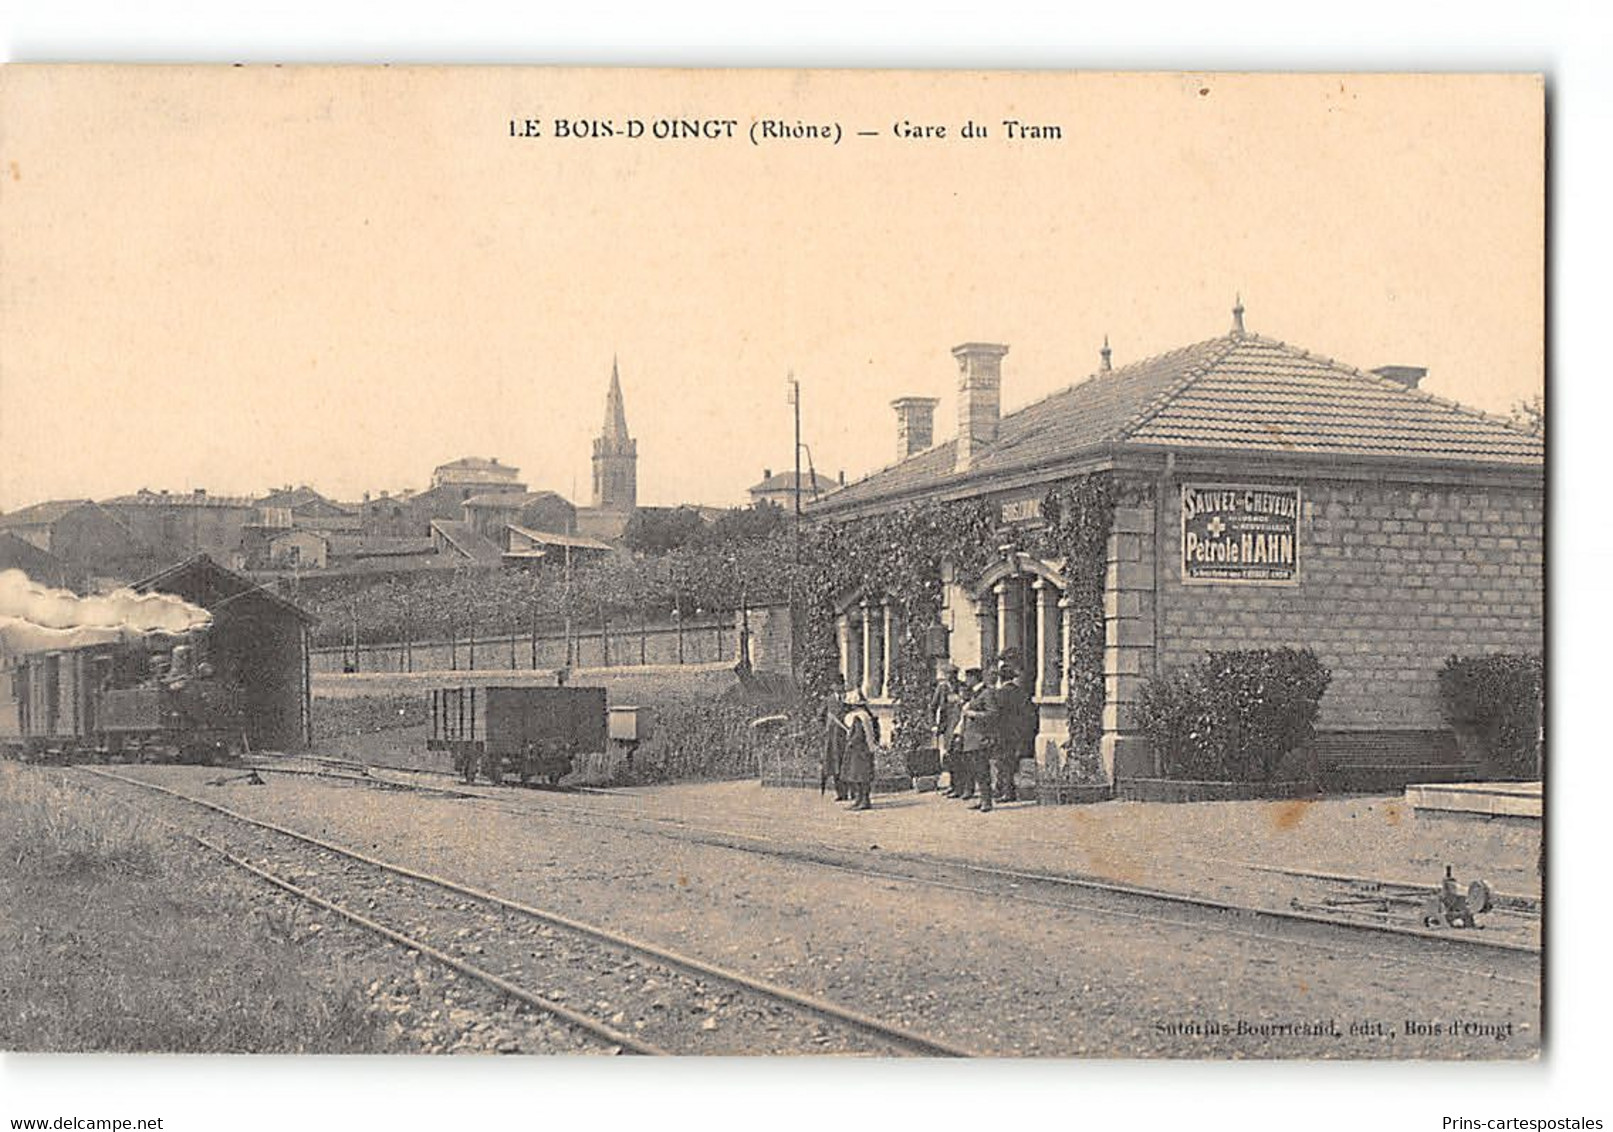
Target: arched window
868	637
1022	609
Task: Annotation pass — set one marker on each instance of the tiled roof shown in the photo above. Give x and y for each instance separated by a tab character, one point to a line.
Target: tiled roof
180	499
1238	392
42	514
1267	395
294	498
200	580
785	481
512	500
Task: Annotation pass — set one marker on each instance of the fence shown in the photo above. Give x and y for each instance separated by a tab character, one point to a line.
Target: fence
705	641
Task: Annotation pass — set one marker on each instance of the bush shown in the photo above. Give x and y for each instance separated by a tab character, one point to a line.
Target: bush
1234	715
698	741
1498	697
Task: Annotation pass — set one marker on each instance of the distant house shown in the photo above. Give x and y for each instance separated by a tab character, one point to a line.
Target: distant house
475	472
257	535
311	511
180	524
299	550
780	489
392	516
454	483
491	513
85	538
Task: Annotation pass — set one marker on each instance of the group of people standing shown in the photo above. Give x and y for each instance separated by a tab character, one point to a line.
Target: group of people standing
982	727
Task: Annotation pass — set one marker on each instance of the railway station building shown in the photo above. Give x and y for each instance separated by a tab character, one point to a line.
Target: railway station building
1263	497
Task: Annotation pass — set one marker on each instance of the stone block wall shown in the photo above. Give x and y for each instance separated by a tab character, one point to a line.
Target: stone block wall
1394	578
1128	616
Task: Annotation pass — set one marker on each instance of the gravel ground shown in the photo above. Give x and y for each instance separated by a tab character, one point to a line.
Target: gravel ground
659	1003
977	971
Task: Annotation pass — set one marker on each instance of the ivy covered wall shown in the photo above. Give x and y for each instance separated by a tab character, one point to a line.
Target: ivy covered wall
900	554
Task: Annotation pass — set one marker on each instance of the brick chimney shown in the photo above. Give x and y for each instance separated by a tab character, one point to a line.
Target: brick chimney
1408	376
980	378
915	424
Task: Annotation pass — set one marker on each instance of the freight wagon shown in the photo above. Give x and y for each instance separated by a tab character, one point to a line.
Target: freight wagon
531	734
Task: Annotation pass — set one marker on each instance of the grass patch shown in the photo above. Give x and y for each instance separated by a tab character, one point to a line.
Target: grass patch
338	718
117	938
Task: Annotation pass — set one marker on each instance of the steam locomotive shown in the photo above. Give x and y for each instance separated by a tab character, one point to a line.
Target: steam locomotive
152	698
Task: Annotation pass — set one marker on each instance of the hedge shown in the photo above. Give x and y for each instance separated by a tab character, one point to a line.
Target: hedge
1498	698
1234	715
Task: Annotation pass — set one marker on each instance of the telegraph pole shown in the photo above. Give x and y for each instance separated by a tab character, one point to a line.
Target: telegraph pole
795	400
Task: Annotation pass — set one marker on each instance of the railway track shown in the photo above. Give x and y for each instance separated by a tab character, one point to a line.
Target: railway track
627	993
1375	940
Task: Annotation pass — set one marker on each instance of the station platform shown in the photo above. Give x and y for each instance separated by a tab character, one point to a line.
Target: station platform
1506	801
1258	854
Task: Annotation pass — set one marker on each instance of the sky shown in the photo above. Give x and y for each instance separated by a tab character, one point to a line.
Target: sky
240	278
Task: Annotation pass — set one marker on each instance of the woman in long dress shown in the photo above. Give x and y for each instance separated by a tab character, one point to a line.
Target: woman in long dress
857	766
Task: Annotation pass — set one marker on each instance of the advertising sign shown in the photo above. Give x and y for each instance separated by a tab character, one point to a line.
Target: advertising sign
1238	532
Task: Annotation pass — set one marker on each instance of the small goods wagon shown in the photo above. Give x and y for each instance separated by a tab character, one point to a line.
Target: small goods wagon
532	734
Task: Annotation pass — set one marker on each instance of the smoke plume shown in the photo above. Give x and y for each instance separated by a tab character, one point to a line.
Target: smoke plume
35	617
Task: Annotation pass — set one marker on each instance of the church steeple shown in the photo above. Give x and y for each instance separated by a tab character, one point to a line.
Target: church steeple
615	454
615	414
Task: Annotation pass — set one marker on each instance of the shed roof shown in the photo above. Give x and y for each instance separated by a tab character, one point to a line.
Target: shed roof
550	538
467	541
1239	392
201	581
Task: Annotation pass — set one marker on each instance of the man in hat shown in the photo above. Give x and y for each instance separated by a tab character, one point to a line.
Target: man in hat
1016	724
980	733
834	739
946	702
